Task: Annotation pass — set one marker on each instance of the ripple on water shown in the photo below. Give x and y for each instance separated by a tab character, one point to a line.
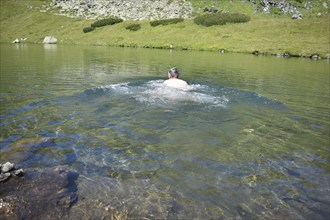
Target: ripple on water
122	139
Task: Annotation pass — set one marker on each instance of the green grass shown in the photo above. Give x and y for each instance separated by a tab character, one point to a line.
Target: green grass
268	34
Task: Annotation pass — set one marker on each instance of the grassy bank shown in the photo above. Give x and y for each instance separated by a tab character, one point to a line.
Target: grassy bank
267	34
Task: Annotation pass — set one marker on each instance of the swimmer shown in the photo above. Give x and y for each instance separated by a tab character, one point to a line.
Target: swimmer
173	79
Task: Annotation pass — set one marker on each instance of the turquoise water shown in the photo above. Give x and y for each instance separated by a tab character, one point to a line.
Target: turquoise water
249	138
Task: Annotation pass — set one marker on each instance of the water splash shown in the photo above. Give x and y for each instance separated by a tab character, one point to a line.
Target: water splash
155	93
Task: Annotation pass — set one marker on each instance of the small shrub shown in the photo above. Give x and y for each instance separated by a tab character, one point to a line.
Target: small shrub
220	19
209	20
133	27
237	18
107	21
88	29
166	21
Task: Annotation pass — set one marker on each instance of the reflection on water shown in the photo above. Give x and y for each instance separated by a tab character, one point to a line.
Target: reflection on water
241	142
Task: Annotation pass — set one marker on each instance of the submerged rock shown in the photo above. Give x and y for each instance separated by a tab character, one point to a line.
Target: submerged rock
7	170
248	130
4	176
41	194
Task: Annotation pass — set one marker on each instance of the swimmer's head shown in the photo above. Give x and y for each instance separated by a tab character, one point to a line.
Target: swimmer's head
173	73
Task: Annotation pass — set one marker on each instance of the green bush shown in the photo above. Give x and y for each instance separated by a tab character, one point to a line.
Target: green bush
220	19
166	21
107	21
88	29
237	18
133	27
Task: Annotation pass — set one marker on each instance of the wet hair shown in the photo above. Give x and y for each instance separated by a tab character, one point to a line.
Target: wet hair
174	72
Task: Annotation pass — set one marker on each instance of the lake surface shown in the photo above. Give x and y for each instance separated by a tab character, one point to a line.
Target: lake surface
249	138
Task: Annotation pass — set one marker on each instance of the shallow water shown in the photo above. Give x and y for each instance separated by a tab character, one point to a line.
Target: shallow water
249	137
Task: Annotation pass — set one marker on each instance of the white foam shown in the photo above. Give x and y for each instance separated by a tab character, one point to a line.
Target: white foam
154	92
120	87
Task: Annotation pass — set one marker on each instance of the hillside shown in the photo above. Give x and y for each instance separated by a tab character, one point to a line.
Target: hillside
271	30
161	9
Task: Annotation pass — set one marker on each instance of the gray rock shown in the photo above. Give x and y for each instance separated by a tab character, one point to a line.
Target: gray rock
297	16
315	57
266	10
283	55
125	9
7	167
19	172
16	41
284	6
50	40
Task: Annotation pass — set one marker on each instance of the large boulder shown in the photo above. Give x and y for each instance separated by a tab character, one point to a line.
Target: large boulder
50	40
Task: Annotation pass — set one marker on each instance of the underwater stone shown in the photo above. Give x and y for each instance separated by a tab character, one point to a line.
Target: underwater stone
247	130
52	192
4	176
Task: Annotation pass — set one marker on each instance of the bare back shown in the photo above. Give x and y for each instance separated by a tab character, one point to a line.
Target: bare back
176	83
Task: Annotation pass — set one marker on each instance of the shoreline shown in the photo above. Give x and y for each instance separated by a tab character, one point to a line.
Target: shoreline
221	51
